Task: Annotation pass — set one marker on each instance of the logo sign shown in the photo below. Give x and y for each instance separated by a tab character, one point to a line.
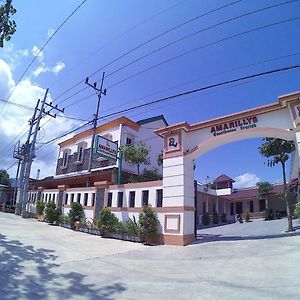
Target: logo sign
234	125
105	148
173	142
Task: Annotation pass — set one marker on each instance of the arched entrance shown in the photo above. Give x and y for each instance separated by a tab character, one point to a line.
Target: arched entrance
184	142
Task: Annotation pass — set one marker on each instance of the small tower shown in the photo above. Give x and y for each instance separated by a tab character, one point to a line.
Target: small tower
223	185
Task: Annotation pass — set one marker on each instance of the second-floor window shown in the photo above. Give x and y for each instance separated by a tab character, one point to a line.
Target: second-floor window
65	158
80	152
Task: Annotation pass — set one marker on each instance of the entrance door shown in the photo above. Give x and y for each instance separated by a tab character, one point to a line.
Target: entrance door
239	207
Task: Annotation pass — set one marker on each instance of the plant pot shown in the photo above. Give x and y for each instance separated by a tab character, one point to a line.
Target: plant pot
77	225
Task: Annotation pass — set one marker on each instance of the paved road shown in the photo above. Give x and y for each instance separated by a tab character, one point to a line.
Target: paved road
38	261
256	229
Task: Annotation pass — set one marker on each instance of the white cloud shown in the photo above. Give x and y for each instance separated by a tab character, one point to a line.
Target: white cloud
36	52
43	69
50	32
13	120
12	56
245	180
58	67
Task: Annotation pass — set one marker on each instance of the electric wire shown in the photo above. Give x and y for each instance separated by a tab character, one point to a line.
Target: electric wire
200	31
204	46
269	72
115	39
41	49
147	42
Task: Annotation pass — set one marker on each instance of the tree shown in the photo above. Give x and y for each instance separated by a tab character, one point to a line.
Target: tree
4	177
277	152
136	155
263	190
160	158
7	26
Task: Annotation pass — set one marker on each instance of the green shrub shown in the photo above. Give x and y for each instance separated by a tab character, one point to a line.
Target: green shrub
216	218
205	219
247	216
297	210
107	221
76	213
148	224
64	219
147	175
120	227
52	214
223	218
132	228
40	207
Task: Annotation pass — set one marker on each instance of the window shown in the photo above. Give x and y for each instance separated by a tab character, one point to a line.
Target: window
159	198
128	141
80	152
85	199
46	198
53	197
93	199
78	197
132	199
120	199
65	158
145	198
43	197
251	206
66	199
72	198
109	199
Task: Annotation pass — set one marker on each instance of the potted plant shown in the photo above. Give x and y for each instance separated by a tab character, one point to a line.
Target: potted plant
52	214
76	214
40	207
148	224
107	222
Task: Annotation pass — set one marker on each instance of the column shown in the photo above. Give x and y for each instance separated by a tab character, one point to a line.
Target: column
61	196
100	190
178	201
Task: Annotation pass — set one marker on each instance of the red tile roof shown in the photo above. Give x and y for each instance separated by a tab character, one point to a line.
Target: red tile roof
223	178
251	192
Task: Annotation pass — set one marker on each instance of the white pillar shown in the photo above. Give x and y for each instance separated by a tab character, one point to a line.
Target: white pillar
178	199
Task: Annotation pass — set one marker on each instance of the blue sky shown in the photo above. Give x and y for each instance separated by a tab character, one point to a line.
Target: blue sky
100	31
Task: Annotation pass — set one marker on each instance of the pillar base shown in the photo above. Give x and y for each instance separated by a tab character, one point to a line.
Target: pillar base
177	240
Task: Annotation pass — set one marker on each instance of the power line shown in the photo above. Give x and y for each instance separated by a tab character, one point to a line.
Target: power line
190	81
200	31
141	113
269	72
204	46
41	49
149	41
116	38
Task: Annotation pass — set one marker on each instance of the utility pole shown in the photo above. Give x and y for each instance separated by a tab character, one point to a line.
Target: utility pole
27	151
99	92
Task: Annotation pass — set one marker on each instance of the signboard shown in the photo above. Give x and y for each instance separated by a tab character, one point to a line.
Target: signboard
173	142
234	125
105	148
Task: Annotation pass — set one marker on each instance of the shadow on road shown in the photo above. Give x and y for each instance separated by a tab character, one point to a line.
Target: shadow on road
28	273
206	238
